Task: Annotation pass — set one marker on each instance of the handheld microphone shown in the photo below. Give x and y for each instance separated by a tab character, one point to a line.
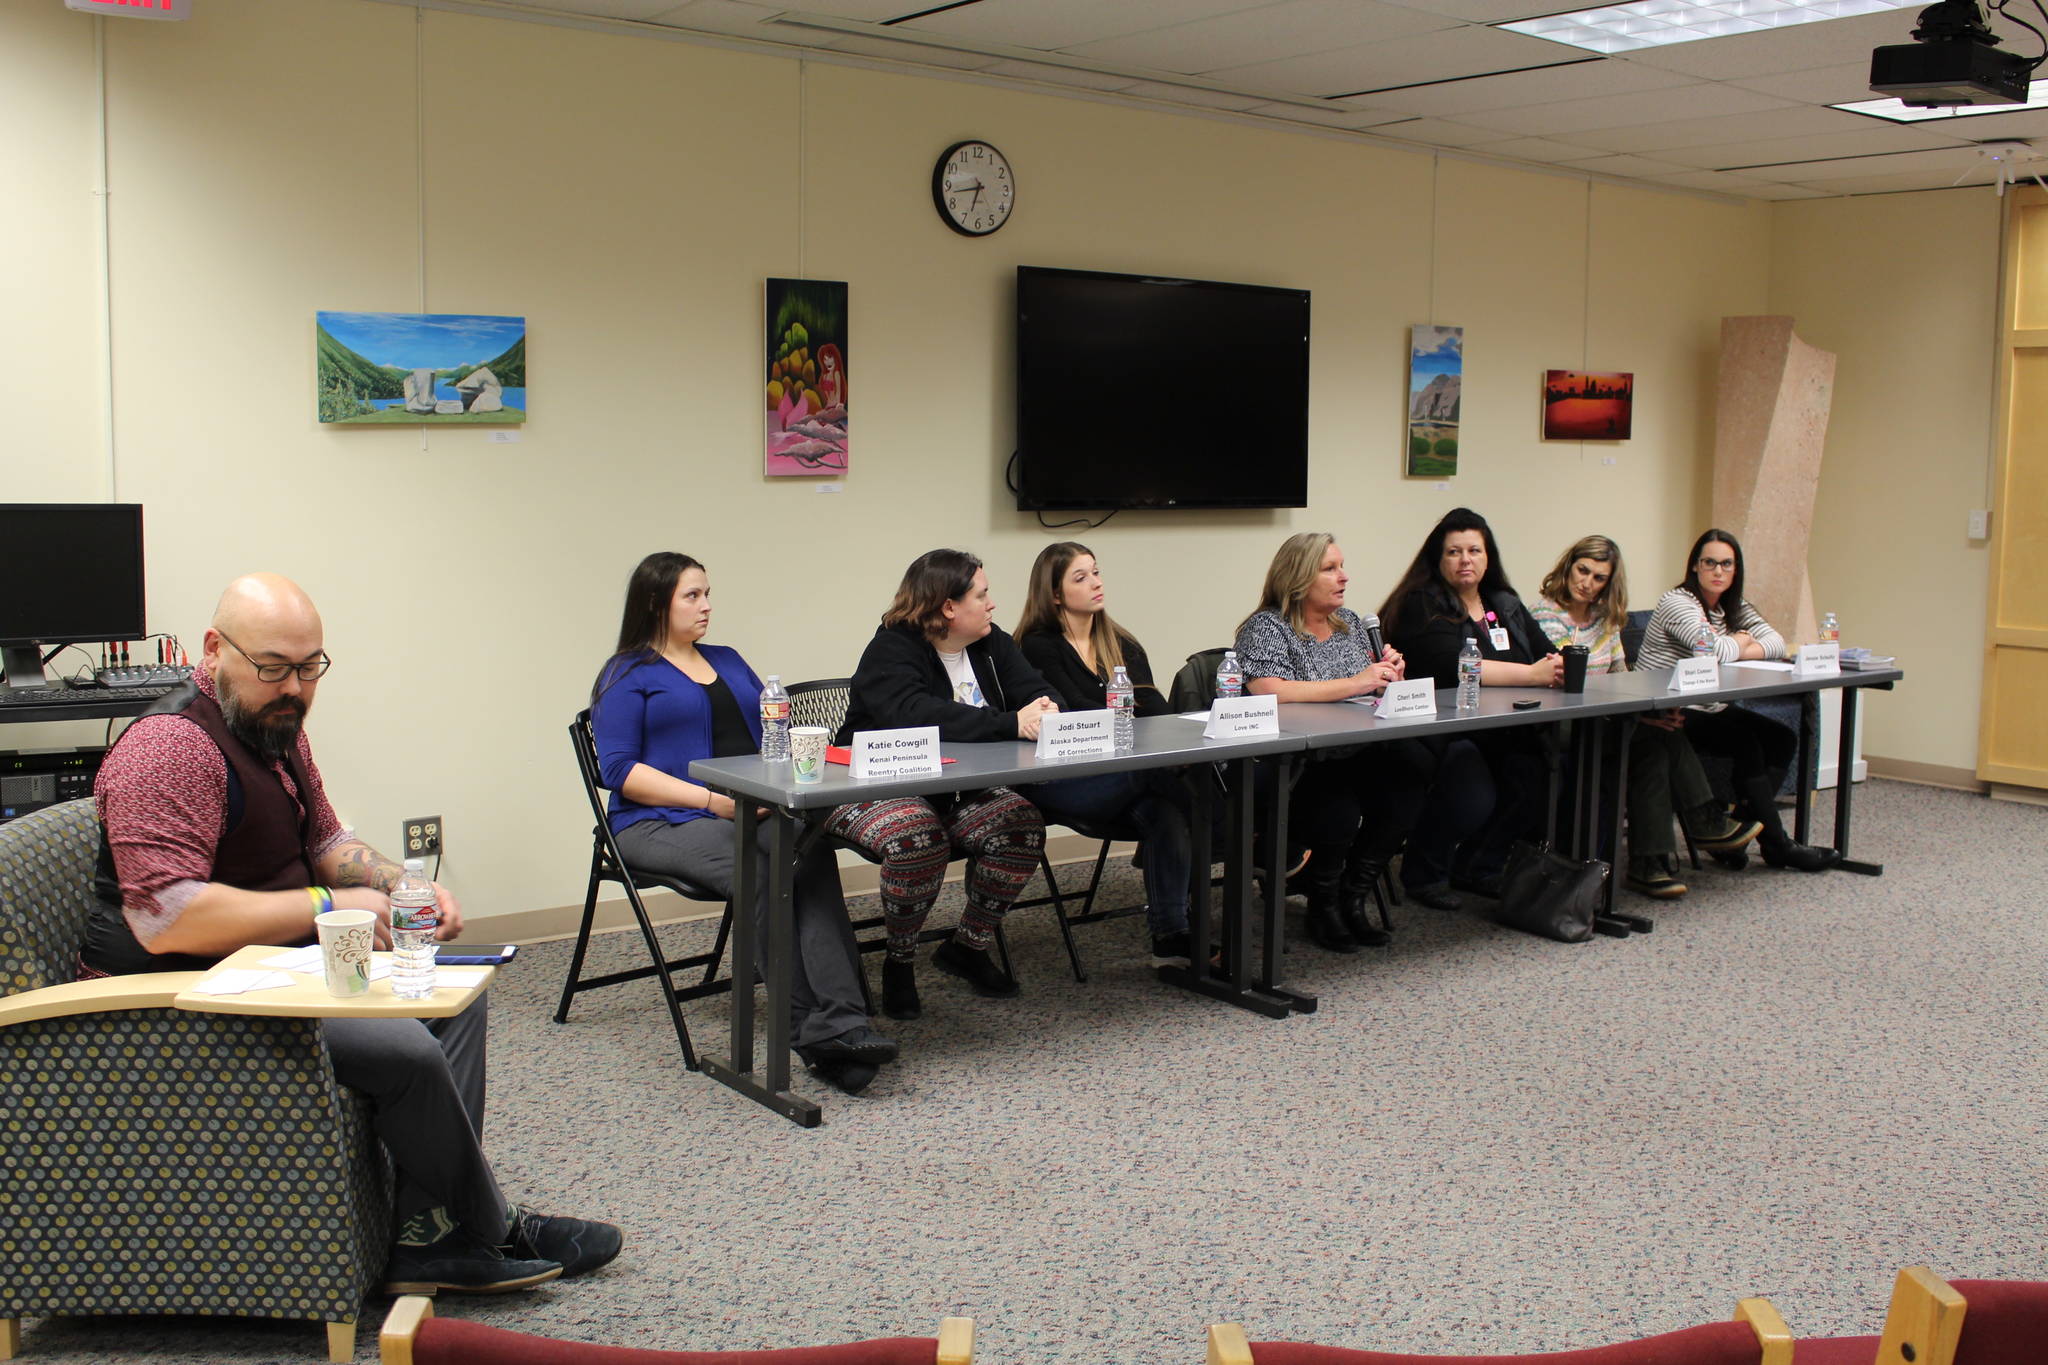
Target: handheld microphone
1373	642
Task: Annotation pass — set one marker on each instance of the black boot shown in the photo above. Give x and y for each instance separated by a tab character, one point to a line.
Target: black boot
899	989
1326	927
1360	888
1760	803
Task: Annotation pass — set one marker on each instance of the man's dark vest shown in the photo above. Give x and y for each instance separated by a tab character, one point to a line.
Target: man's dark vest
262	845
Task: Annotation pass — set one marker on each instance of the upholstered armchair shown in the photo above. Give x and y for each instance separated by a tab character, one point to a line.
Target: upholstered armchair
161	1161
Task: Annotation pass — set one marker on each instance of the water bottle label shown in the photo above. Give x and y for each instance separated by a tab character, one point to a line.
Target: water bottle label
426	916
774	710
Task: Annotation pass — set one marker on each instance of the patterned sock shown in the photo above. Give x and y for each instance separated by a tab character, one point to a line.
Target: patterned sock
425	1228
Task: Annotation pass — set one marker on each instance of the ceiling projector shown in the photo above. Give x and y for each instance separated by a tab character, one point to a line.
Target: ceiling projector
1953	59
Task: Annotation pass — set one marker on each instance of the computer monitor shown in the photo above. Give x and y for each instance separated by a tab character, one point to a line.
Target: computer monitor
70	573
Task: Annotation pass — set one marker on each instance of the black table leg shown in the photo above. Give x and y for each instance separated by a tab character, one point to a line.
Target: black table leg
771	1086
1275	937
1809	743
1845	770
1641	924
1233	986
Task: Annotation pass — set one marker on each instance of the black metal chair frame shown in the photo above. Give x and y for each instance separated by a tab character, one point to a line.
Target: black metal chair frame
607	865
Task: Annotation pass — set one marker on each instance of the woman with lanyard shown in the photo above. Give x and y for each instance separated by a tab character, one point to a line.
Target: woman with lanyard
665	698
1067	635
1456	590
939	659
1707	614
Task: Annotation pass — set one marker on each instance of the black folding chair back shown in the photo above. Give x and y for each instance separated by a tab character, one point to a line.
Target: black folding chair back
606	865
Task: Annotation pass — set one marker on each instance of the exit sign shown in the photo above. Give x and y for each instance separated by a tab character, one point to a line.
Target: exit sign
134	9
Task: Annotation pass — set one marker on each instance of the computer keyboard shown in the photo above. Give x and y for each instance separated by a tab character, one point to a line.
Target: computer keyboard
77	696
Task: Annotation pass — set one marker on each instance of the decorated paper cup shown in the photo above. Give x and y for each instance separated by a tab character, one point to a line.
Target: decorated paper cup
346	937
807	752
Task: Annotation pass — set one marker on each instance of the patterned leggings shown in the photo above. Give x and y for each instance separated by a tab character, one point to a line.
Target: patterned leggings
999	830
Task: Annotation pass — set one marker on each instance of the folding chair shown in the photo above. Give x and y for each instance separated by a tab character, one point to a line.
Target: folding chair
606	865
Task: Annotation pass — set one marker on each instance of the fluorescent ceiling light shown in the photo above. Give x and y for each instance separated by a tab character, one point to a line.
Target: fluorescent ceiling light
1654	23
2037	98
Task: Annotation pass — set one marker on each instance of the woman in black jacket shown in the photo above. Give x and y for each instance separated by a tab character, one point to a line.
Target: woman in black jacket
938	658
1067	635
1456	590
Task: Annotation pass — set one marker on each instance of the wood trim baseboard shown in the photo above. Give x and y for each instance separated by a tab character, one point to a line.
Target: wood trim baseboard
857	876
1927	774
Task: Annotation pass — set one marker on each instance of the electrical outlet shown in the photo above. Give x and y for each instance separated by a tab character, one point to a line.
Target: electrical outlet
1980	525
423	837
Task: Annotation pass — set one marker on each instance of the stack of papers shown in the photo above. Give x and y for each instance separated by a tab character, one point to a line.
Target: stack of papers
1860	659
307	959
235	981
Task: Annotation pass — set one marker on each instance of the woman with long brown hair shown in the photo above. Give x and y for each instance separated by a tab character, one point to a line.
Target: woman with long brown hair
1066	634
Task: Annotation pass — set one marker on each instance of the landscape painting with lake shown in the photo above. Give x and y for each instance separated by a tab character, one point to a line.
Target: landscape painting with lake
438	369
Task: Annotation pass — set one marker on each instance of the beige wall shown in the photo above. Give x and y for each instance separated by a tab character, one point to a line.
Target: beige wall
629	196
1903	288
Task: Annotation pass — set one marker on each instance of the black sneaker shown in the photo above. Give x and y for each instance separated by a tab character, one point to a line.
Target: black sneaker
462	1262
578	1244
858	1044
1172	950
1437	897
976	968
851	1077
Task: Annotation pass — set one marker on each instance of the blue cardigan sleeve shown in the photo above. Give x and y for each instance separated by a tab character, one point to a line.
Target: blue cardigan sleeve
618	723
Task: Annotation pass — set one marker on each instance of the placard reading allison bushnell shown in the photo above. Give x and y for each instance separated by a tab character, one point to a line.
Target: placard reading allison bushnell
434	369
806	428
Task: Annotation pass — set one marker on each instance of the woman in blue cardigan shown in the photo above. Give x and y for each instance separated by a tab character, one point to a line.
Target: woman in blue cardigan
665	698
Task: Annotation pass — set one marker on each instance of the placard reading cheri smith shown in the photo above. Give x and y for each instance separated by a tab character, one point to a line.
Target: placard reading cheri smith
912	752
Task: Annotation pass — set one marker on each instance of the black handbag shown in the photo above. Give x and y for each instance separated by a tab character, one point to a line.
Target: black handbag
1545	893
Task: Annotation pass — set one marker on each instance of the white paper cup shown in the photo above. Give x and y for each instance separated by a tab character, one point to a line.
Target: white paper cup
346	937
807	752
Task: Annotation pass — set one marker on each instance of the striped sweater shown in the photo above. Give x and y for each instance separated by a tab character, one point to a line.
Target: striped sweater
1675	626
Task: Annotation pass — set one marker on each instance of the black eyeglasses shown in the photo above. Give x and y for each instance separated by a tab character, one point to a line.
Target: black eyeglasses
309	671
1710	565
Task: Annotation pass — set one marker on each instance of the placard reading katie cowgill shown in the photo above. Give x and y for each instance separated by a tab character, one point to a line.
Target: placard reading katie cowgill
912	752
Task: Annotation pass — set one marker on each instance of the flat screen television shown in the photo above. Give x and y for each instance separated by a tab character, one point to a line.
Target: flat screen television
1148	391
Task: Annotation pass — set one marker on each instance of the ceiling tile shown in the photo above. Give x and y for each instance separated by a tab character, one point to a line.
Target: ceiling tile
730	16
1540	149
1570	81
1058	75
868	11
1784	192
1438	132
1265	33
1050	24
1799	121
621	9
1709	180
1483	11
1612	111
1638	166
1895	183
1976	128
1817	85
1954	160
1828	147
1447	55
1798	47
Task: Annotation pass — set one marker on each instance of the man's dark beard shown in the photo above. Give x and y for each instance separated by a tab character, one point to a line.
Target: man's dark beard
272	731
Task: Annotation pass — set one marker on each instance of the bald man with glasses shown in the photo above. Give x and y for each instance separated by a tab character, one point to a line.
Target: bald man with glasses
216	833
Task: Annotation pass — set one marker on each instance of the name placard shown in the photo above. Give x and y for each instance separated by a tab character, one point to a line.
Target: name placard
1818	661
1405	700
910	752
1076	734
1237	717
1701	673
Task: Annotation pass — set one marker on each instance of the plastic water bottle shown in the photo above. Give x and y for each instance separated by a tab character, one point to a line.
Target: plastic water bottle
1122	709
1229	676
1703	643
1468	675
415	914
1830	630
774	721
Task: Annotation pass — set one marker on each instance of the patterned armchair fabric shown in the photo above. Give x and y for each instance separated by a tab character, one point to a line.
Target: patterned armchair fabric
161	1161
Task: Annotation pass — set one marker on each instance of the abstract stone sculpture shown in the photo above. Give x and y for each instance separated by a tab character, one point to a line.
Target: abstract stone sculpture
481	391
419	391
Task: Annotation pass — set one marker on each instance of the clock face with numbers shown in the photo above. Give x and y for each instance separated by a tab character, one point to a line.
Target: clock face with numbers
973	189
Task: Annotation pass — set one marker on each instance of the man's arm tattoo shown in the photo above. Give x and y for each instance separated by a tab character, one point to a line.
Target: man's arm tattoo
360	865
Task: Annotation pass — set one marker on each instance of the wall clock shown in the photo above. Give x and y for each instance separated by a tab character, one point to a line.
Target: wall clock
973	188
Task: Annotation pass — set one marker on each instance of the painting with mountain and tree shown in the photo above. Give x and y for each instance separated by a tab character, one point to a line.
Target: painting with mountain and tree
1436	369
806	388
436	369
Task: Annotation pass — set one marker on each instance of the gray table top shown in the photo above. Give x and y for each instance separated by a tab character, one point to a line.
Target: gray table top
1743	684
1327	724
1162	742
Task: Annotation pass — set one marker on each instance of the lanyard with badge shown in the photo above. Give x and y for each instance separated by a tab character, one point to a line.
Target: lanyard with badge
1496	633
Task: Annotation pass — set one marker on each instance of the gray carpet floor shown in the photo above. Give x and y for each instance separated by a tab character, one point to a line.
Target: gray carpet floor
1481	1141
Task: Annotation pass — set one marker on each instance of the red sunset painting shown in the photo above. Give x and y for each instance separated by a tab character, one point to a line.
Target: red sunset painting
1579	405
